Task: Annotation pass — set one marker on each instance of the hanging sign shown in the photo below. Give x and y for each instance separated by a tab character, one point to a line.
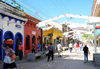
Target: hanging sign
33	32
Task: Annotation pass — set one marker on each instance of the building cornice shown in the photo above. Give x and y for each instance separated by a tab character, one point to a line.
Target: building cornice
9	14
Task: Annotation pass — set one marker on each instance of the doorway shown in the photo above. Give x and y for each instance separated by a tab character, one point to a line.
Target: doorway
18	39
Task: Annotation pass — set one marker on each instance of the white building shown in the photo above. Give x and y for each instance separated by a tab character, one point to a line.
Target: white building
11	27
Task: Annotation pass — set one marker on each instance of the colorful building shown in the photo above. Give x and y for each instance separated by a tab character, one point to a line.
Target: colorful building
32	34
52	34
11	27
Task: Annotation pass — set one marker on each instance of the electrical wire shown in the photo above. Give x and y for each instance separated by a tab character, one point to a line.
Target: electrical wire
27	10
40	12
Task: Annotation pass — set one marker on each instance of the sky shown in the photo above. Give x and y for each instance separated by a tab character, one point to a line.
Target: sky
46	9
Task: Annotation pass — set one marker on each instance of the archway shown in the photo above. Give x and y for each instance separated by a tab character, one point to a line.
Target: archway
18	38
27	42
1	33
33	40
9	35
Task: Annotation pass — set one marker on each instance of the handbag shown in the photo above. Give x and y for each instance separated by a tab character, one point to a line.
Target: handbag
7	59
13	57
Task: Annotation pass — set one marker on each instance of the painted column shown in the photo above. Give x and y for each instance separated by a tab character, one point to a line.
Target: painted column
94	37
42	39
30	42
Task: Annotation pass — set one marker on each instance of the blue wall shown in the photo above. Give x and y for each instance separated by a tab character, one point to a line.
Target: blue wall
97	32
1	34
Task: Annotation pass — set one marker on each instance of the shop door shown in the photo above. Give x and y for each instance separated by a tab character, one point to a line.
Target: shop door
33	40
0	44
18	38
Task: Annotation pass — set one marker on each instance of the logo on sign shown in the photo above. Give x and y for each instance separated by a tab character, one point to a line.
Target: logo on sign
33	32
18	26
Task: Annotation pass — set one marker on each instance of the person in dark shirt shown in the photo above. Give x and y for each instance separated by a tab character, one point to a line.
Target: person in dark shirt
86	51
51	51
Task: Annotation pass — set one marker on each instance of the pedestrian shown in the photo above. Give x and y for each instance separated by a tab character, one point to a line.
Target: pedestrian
59	48
70	46
38	47
77	47
33	48
20	53
51	52
9	59
46	47
80	45
86	51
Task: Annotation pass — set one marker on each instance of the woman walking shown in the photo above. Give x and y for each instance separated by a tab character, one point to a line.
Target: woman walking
9	60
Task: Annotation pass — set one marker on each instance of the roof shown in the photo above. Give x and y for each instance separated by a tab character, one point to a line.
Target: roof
31	18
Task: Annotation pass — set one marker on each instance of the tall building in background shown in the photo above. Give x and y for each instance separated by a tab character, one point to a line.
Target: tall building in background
96	12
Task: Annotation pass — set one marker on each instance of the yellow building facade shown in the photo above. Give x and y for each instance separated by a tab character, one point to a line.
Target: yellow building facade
52	36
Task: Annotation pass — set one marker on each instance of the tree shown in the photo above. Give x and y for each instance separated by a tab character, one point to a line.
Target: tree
87	36
16	5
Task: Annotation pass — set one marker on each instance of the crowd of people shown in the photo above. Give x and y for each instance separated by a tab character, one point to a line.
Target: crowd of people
82	47
9	60
77	46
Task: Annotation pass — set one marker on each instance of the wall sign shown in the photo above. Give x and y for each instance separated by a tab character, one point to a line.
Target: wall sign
18	26
33	32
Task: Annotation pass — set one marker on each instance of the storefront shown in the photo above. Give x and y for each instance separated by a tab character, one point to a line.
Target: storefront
53	35
12	27
32	35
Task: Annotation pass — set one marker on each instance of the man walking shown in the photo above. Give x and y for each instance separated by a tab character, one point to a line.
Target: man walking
70	46
51	52
59	49
86	51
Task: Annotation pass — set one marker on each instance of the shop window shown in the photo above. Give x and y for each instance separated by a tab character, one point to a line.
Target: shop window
27	42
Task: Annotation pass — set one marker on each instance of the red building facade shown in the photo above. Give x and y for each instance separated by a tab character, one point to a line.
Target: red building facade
32	35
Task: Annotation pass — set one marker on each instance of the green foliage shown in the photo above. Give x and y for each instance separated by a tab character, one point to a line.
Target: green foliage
16	5
87	36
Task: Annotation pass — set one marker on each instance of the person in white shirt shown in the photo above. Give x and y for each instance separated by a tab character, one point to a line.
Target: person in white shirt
70	47
59	47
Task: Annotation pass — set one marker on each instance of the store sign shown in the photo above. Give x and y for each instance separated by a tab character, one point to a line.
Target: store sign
33	32
18	26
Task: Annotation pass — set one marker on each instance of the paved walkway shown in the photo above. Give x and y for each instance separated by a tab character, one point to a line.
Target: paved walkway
67	61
